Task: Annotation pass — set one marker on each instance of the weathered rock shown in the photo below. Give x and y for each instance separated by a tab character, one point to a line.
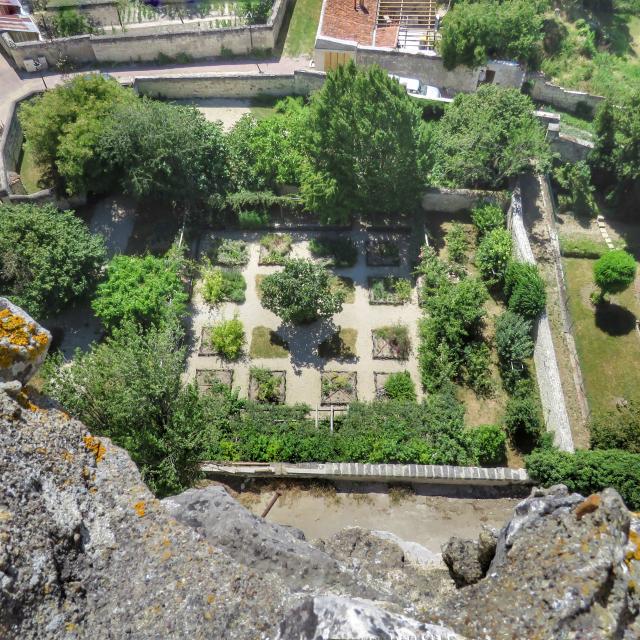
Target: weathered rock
462	557
23	344
558	572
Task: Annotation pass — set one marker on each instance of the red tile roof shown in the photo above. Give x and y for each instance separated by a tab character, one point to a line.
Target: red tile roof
17	23
350	20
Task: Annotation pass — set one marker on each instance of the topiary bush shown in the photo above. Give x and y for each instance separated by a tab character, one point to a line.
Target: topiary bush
525	290
614	272
400	386
227	338
489	444
477	368
514	345
493	256
523	417
486	218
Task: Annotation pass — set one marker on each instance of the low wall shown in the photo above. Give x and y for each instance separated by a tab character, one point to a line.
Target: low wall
197	40
544	354
561	98
358	472
229	85
453	200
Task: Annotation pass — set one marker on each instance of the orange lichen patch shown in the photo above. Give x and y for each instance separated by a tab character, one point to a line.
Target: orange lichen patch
96	447
24	401
588	506
634	552
139	508
211	598
67	456
166	555
70	626
16	335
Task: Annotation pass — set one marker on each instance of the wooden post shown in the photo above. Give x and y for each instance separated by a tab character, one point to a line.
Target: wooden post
331	418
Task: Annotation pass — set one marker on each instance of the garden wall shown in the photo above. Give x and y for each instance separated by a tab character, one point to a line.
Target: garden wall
559	97
229	85
544	355
453	200
197	40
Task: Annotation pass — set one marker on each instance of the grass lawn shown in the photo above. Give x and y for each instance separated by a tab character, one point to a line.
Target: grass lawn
346	284
266	343
302	28
30	173
341	345
607	341
262	107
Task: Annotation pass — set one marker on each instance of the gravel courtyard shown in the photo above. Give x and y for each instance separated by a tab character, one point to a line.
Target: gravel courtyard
303	366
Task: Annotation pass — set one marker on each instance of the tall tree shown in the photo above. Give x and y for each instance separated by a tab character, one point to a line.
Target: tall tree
48	258
367	146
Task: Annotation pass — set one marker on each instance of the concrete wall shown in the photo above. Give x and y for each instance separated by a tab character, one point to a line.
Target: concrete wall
560	98
358	472
453	200
145	44
229	85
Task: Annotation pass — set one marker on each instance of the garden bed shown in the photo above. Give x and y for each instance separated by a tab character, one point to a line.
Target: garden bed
379	380
266	343
206	378
391	343
205	342
346	285
274	249
334	252
389	290
267	386
340	346
229	253
383	253
338	387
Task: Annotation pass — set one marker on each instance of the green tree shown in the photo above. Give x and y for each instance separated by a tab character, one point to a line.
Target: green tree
614	272
301	292
487	137
166	153
588	471
48	258
227	338
474	31
128	388
514	346
493	255
143	289
578	196
525	289
489	443
367	146
64	125
68	22
602	156
255	11
523	417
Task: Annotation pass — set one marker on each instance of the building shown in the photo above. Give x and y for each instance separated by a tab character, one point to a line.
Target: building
16	22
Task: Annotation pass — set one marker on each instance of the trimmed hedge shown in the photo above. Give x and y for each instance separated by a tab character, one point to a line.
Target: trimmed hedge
589	471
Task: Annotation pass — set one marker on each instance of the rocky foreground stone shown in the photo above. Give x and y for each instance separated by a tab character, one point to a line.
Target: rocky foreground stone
87	552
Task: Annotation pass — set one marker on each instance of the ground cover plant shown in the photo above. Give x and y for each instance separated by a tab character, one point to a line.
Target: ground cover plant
338	387
487	217
274	248
227	338
302	292
335	252
389	290
344	287
230	253
391	341
222	285
48	258
266	343
267	386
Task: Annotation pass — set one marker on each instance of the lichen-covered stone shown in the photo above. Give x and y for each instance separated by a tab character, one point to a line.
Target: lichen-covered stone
23	343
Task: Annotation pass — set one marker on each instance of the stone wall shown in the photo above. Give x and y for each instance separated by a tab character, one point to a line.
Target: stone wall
453	200
229	85
559	97
198	41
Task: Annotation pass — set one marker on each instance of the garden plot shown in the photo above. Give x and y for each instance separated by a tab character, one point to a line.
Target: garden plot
339	387
267	386
305	353
206	378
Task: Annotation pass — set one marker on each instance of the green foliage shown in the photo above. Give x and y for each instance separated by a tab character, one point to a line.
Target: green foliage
252	219
514	345
474	31
165	153
390	290
366	144
457	243
301	292
400	386
432	272
277	246
221	285
230	253
477	368
397	338
489	443
64	126
337	252
579	247
523	417
589	471
227	338
614	272
128	388
493	255
143	289
578	196
617	430
487	217
48	258
271	151
254	11
68	22
267	385
525	290
487	137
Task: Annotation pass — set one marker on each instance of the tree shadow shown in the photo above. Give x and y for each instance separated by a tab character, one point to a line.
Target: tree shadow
614	320
303	342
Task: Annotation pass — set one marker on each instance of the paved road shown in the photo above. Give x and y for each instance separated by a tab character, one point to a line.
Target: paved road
14	84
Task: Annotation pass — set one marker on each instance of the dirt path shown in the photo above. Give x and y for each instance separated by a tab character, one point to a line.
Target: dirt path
429	520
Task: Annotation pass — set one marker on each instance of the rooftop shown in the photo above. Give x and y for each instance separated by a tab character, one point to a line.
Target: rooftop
17	23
